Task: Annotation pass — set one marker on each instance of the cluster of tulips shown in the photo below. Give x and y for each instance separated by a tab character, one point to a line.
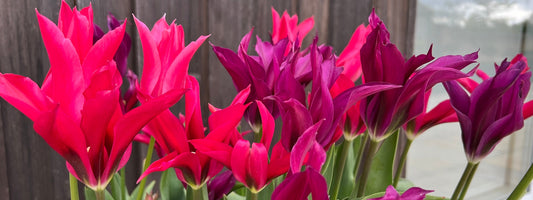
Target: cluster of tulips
313	132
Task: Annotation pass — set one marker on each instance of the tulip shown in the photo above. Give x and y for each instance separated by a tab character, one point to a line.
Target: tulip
221	185
414	193
287	26
273	76
250	164
77	110
385	112
298	186
493	111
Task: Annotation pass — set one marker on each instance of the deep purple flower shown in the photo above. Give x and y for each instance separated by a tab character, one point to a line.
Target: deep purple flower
322	107
273	76
414	193
221	185
493	110
298	186
386	111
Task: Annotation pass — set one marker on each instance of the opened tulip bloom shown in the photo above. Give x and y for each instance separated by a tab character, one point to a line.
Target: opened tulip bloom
287	26
387	111
77	110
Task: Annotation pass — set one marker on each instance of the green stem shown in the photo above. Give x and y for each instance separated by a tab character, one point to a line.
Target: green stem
401	165
467	183
521	188
147	162
462	181
74	194
100	194
123	183
197	193
338	169
358	160
251	195
372	149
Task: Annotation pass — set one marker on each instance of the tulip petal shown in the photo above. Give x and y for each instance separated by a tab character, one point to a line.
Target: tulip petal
24	94
151	61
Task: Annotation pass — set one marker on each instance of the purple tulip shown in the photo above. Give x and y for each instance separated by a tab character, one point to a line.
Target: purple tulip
493	110
414	193
273	76
298	186
386	111
221	185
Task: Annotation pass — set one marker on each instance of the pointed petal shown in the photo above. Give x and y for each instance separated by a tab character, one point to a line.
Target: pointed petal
134	120
267	123
303	146
103	51
151	61
66	84
177	71
24	94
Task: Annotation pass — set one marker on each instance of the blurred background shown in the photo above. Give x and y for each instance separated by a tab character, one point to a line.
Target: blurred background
499	29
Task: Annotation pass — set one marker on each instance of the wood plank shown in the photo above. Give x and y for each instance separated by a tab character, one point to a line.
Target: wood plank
344	17
30	164
319	9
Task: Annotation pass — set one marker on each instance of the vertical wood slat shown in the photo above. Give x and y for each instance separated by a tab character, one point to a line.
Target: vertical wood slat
227	21
30	169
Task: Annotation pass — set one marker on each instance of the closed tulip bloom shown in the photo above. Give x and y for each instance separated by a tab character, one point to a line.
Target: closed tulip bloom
494	109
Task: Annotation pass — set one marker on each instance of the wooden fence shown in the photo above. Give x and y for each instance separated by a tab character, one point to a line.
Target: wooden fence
30	169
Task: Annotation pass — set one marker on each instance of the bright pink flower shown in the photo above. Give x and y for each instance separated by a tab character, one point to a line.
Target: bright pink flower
77	109
166	58
442	113
250	164
414	193
350	58
173	135
287	26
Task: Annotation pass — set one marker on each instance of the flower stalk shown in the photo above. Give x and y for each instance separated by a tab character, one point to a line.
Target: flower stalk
372	149
521	188
338	170
465	178
403	160
250	195
147	162
74	194
197	193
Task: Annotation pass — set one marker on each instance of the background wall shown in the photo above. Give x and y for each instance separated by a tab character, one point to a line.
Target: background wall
30	169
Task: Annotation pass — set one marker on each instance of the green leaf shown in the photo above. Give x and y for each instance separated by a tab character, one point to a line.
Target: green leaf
170	187
404	185
147	190
381	171
115	187
327	168
348	179
91	195
234	196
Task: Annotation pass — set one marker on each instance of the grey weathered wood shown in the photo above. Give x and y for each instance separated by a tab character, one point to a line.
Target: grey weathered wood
344	17
319	9
30	168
